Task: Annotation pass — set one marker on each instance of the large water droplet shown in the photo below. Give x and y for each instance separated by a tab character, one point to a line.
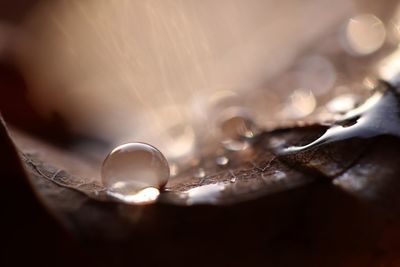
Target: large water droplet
135	172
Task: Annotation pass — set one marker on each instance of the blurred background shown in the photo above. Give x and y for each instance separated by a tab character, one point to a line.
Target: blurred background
166	72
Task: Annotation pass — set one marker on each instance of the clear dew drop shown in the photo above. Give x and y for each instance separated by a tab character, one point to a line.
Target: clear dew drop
134	173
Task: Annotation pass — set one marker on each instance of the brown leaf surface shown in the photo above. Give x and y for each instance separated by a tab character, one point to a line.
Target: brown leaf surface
281	211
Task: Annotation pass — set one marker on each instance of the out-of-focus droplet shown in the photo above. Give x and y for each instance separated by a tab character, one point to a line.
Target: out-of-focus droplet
233	180
316	73
222	161
223	99
234	145
364	34
263	104
205	106
199	173
236	124
173	132
237	127
301	103
173	169
131	168
370	82
342	103
179	141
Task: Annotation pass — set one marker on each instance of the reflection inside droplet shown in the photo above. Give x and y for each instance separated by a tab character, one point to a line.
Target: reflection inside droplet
133	167
316	73
144	196
364	34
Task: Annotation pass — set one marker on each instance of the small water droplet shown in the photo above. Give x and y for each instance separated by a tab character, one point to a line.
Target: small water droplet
222	161
233	180
133	172
236	125
199	173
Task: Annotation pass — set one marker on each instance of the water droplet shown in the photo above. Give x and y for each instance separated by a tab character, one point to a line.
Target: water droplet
199	173
179	141
364	34
316	73
370	83
233	180
222	161
133	172
236	124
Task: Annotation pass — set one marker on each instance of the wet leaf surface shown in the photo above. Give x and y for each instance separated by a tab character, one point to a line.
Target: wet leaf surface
336	206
